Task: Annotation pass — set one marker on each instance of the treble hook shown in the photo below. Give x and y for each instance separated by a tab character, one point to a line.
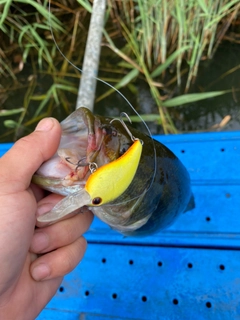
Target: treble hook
124	114
78	164
91	165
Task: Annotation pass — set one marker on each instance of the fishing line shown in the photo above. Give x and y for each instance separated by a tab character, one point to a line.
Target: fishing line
112	87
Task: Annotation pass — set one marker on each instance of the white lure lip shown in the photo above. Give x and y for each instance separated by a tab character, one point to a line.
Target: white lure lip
65	207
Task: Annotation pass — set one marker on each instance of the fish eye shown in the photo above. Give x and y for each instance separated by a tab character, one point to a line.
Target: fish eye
122	151
114	133
96	201
109	131
124	148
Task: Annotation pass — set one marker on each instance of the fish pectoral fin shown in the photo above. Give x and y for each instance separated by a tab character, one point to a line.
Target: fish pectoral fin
65	207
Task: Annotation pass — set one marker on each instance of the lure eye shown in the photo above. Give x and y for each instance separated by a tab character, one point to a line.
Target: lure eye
96	201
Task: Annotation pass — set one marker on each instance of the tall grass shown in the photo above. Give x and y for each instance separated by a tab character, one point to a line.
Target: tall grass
163	40
170	32
25	37
28	27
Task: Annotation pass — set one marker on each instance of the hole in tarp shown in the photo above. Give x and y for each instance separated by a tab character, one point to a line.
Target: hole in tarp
222	267
114	295
175	301
61	289
104	260
208	218
182	151
144	298
87	293
208	304
190	265
159	263
130	261
222	149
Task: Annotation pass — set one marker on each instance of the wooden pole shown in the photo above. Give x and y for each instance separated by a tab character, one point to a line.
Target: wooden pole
87	88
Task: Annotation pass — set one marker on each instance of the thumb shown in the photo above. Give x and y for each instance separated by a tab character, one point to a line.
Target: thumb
28	153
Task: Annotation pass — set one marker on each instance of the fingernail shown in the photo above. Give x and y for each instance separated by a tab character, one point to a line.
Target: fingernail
45	124
44	208
40	272
40	242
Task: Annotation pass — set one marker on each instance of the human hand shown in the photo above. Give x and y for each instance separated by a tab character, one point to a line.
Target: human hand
33	261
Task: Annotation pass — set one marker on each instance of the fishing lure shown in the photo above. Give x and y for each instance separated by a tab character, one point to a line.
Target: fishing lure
110	181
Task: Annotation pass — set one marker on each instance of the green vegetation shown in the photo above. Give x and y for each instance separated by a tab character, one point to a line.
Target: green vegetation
171	33
162	42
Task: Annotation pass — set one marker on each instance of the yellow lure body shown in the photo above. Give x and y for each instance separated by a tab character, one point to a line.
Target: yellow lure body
109	181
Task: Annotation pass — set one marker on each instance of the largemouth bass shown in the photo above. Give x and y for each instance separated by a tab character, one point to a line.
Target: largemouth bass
157	193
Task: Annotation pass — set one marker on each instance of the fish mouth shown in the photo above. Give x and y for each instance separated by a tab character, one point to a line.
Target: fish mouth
60	170
86	141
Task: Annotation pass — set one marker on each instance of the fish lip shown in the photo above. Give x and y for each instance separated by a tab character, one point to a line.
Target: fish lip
83	119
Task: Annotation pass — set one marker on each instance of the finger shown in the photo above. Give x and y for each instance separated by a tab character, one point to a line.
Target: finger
45	291
59	262
38	192
28	153
47	203
61	234
29	297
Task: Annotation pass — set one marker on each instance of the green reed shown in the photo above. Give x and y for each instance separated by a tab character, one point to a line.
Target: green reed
25	35
171	34
160	36
175	31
